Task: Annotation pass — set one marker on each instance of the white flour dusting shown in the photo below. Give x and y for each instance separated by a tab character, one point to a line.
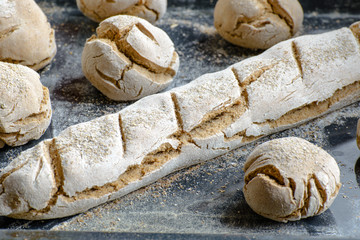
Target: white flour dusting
7	8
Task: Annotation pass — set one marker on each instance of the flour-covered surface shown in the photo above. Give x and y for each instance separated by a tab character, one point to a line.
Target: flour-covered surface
207	198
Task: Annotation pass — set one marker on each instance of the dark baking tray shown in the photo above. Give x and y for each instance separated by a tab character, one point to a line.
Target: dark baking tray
204	201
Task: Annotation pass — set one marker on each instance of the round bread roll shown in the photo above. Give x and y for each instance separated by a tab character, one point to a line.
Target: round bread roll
129	58
290	178
99	10
25	109
257	24
25	34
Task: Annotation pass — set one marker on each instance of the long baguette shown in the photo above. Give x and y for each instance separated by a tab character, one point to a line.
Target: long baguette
108	157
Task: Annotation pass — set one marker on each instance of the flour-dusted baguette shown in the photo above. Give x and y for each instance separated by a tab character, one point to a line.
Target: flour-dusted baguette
108	157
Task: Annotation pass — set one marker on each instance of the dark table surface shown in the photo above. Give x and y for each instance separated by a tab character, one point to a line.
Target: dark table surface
204	201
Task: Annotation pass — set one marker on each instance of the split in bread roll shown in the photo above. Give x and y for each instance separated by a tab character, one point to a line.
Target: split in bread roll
26	35
103	159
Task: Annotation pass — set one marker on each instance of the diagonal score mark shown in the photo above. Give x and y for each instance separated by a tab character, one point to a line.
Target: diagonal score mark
177	111
122	132
296	53
146	32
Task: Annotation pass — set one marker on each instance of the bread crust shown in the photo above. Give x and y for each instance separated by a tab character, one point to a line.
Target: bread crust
288	179
25	108
129	58
99	10
26	36
257	24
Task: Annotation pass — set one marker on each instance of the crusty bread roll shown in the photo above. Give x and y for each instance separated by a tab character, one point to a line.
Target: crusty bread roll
25	109
108	157
129	58
257	24
288	179
99	10
25	34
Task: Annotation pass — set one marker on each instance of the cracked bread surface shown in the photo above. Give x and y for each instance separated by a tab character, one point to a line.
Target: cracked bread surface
129	58
25	109
257	24
99	10
26	36
162	133
288	179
